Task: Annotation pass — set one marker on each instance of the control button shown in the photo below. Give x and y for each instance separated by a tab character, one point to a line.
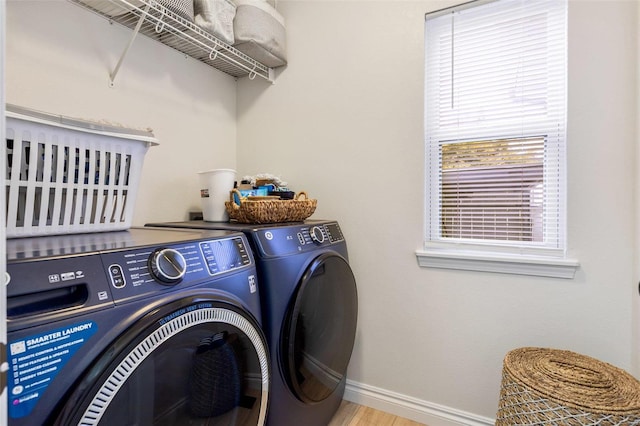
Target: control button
117	276
67	276
317	236
168	266
244	256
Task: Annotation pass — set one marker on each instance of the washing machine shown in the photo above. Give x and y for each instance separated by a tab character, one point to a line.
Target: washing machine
310	309
137	327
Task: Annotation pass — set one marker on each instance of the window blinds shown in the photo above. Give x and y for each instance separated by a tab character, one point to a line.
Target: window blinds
495	113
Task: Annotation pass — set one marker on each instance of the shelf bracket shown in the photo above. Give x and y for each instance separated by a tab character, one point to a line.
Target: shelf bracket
114	73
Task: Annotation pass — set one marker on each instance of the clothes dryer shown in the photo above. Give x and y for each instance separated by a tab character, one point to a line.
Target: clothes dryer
309	305
144	327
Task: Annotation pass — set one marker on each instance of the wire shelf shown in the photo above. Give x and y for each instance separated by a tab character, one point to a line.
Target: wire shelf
160	24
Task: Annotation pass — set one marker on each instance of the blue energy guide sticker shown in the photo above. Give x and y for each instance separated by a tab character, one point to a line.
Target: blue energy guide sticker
36	360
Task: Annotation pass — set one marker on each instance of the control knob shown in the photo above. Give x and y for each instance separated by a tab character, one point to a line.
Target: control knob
317	236
167	266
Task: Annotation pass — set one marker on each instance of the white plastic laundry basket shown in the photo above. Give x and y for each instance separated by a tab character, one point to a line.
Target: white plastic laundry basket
67	176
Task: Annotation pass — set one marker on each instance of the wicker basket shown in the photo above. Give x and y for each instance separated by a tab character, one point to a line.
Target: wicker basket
270	211
554	387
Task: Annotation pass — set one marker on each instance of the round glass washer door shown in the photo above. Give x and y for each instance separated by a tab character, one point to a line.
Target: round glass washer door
320	328
199	362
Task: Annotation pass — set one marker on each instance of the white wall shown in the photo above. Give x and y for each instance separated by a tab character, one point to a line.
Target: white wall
59	57
344	122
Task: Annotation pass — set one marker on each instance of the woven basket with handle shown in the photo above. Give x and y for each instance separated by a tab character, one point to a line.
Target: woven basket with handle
270	211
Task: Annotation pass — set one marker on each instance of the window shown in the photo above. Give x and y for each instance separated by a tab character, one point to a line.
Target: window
495	119
491	190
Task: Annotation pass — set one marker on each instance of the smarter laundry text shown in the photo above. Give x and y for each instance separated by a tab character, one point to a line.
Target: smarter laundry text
58	334
36	360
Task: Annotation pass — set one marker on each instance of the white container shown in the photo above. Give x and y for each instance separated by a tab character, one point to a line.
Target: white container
68	176
215	186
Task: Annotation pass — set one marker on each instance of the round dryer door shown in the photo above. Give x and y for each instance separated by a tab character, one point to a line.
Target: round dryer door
193	362
319	333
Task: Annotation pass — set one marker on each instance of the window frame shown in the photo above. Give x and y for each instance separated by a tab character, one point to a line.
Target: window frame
489	255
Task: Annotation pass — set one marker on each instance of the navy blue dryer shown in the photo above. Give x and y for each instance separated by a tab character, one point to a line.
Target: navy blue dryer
309	305
140	327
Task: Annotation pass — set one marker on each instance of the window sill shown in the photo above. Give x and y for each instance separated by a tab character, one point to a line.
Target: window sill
502	263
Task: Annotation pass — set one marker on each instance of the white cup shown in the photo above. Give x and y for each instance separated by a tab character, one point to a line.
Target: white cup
215	186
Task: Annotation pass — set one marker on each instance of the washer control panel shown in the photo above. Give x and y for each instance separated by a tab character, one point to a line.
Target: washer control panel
284	240
139	272
54	277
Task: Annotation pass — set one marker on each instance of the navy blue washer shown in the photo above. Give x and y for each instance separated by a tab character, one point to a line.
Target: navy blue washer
309	305
101	332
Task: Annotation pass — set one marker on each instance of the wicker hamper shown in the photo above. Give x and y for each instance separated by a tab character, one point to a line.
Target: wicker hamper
555	387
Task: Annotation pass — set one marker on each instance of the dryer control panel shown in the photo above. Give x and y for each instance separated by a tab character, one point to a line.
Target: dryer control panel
286	240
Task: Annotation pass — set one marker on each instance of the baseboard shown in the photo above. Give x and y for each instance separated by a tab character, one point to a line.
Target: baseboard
411	408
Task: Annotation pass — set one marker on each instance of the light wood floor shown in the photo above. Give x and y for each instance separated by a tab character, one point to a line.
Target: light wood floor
351	414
